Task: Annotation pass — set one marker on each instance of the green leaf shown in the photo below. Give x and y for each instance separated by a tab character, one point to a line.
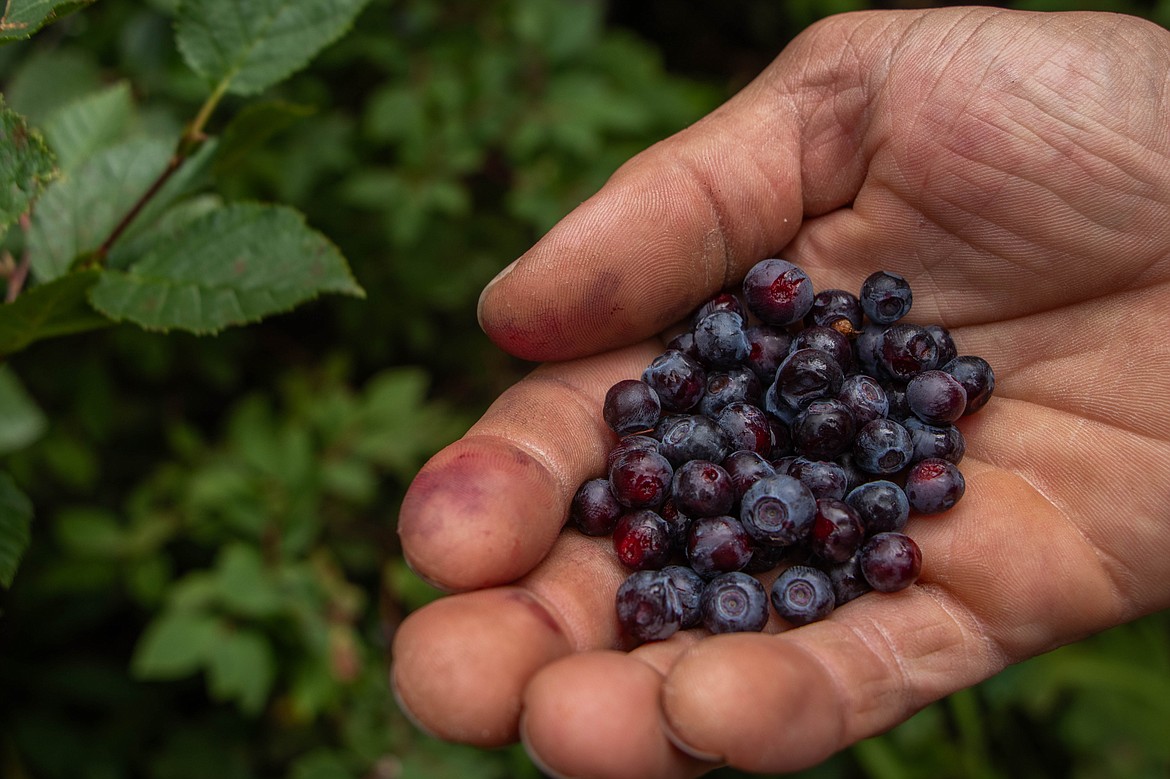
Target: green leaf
21	421
245	587
16	514
248	47
241	667
49	78
175	645
48	311
22	18
234	265
193	174
77	130
80	209
26	164
90	531
253	126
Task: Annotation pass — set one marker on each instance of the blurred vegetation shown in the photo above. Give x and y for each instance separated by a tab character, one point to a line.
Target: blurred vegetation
214	573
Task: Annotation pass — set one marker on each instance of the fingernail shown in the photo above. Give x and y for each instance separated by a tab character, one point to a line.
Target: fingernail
534	756
686	748
482	295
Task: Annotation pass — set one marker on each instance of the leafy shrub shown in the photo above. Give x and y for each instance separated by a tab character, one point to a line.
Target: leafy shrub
208	569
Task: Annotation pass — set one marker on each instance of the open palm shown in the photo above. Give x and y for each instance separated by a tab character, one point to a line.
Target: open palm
1015	168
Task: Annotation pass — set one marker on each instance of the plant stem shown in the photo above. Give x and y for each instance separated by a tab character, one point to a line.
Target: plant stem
191	139
19	273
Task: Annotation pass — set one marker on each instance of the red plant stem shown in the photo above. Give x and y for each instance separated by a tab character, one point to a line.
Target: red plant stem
173	165
20	272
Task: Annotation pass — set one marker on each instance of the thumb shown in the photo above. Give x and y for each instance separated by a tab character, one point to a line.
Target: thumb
691	214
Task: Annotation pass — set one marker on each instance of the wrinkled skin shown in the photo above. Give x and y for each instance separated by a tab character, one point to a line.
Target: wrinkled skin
1016	169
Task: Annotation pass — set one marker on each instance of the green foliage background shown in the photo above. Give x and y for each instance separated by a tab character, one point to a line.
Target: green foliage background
214	574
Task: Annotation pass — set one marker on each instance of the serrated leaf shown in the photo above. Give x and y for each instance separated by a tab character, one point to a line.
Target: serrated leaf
176	644
21	420
77	130
232	266
250	46
48	311
80	209
26	164
16	514
22	18
241	667
137	243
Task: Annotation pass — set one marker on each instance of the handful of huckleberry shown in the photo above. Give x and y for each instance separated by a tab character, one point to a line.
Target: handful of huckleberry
786	431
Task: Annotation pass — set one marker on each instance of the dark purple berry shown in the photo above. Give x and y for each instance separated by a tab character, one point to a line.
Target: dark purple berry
641	479
642	540
934	485
778	510
767	348
766	557
883	446
678	526
945	441
803	594
804	376
977	378
720	340
690	593
745	468
882	506
832	305
865	398
734	602
823	430
848	580
899	408
781	438
648	606
685	343
678	380
736	385
717	545
824	478
890	561
631	406
854	476
628	444
867	350
837	531
906	350
693	437
594	510
885	297
936	397
702	489
747	427
946	344
785	464
777	292
723	301
827	340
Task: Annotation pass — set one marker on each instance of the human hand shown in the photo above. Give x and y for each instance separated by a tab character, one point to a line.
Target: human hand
1016	169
